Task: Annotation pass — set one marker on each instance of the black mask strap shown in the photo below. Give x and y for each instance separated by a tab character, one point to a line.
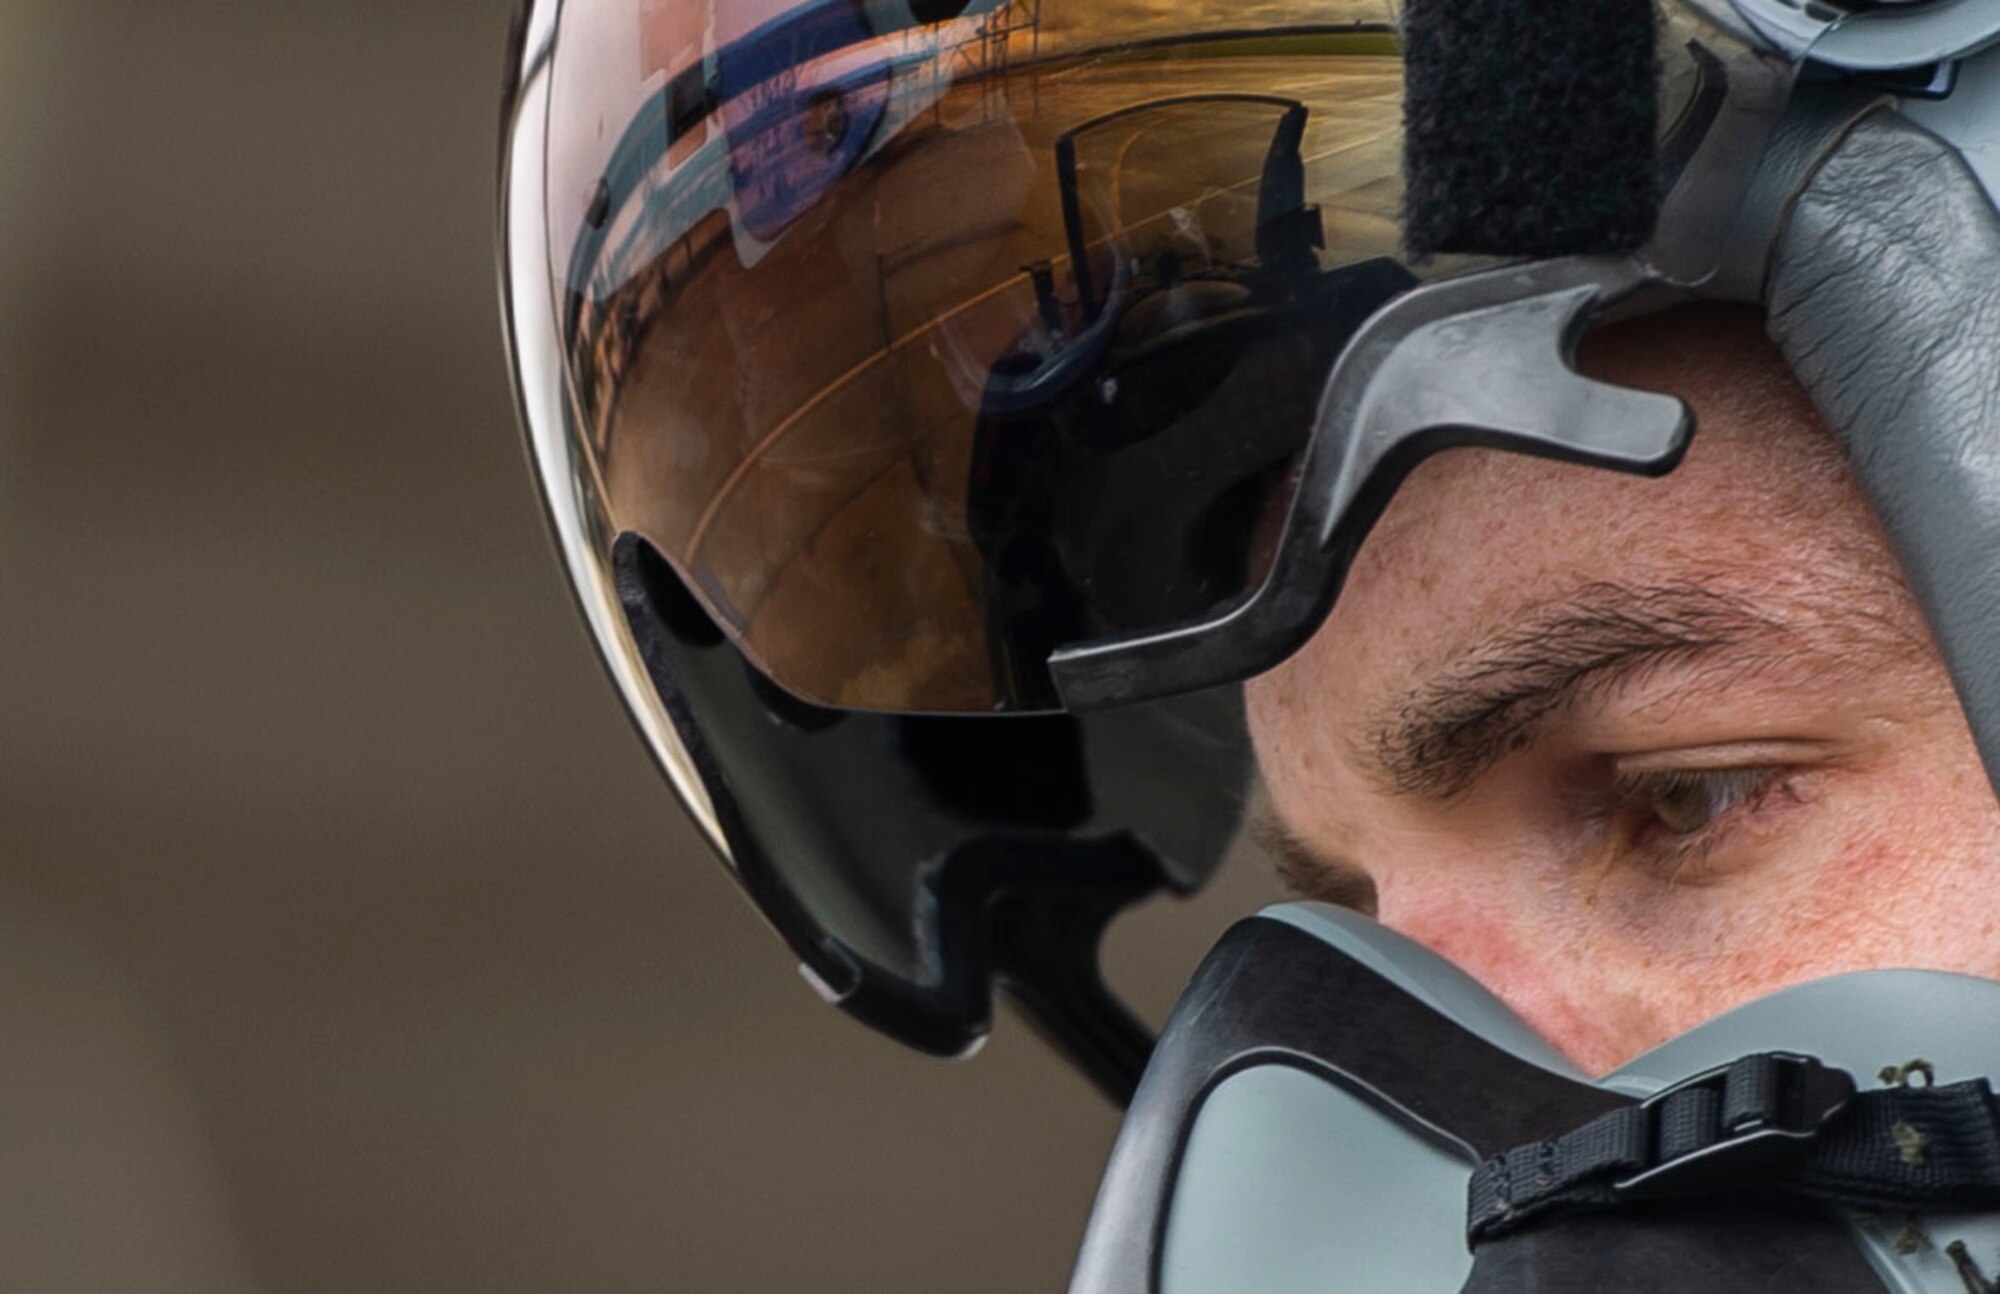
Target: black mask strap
1771	1122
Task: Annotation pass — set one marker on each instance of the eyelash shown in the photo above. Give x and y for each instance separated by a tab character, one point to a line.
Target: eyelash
1728	795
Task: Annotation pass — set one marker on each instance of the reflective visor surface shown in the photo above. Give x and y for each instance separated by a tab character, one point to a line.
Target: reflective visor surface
924	339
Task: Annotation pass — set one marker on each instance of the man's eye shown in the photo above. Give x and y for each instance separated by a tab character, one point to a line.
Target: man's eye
1685	802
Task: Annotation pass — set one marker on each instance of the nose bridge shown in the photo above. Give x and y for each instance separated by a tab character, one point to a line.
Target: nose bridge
1461	918
1549	986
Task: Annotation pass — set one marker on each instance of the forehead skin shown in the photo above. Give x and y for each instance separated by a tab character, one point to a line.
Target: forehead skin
1879	857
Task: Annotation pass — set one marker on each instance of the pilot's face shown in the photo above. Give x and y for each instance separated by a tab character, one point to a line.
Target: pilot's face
1633	752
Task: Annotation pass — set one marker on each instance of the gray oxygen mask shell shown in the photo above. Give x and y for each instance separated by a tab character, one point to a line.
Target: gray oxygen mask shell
1332	1105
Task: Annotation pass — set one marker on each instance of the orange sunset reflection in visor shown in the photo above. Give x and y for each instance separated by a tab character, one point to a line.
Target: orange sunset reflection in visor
922	343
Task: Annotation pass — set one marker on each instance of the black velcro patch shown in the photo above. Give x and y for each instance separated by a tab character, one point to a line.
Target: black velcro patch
1529	126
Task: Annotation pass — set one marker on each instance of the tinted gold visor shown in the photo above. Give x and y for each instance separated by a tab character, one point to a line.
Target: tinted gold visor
924	342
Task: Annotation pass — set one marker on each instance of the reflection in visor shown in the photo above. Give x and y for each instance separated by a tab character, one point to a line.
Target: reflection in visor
921	349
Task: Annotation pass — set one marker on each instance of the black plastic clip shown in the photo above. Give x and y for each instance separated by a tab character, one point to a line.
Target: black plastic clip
1724	1126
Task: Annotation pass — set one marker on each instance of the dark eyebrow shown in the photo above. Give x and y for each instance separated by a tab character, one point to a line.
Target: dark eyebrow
1490	700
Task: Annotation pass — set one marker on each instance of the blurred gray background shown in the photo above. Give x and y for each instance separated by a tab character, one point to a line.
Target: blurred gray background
347	938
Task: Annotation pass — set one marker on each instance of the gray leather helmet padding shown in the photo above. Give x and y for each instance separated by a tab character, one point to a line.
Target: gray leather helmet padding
1815	122
1884	296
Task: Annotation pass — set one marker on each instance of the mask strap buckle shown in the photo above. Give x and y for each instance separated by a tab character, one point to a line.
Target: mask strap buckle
1754	1113
1722	1129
